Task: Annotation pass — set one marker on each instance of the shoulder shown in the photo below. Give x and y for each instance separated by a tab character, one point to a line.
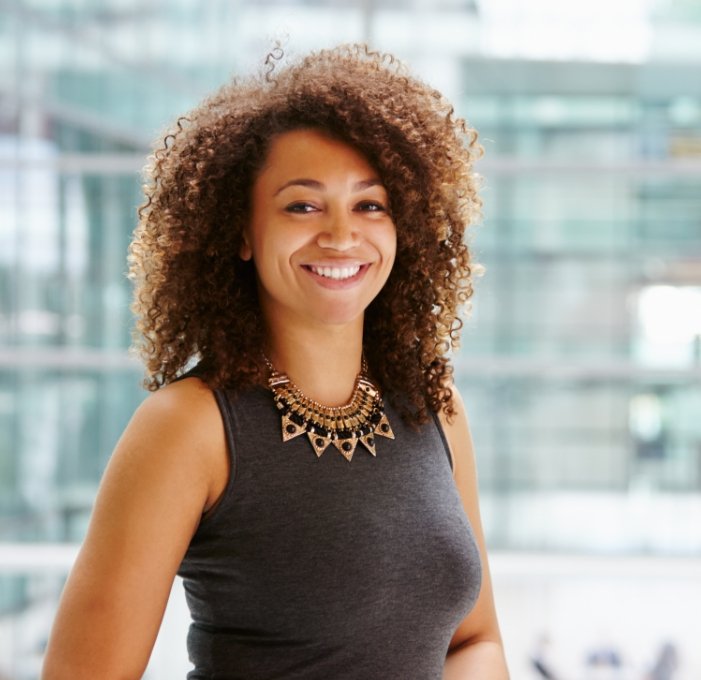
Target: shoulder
157	484
180	426
189	398
457	433
480	625
187	406
184	411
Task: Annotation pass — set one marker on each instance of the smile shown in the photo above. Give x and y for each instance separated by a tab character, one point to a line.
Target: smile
337	273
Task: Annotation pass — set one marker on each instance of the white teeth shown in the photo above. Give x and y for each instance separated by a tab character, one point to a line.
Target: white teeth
337	273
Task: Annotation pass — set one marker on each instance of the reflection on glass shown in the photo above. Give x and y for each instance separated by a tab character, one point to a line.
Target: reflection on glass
669	321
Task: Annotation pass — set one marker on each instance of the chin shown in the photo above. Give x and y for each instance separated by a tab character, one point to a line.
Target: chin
340	317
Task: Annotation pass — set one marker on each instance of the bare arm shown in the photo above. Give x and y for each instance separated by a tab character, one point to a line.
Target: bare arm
168	466
476	650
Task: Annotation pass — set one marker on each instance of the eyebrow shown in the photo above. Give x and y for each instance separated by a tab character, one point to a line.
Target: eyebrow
319	186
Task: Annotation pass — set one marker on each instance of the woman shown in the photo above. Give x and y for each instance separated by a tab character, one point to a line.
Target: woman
312	477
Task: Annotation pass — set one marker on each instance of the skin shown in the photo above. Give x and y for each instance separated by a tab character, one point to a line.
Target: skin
476	649
171	463
318	202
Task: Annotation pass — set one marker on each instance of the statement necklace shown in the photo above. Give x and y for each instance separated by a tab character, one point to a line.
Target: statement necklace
359	420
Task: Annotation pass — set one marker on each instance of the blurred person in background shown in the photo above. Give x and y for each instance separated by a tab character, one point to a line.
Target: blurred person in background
666	664
604	662
299	264
541	661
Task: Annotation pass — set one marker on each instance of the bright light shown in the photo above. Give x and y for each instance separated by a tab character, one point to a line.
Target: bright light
645	416
669	313
669	326
596	30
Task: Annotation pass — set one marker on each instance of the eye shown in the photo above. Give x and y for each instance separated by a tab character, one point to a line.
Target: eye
300	207
371	206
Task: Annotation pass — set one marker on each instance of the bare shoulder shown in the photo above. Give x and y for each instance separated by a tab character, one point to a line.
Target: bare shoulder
189	398
166	469
457	432
180	424
480	625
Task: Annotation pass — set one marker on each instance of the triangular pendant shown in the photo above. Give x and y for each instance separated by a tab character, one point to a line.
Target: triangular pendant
383	429
368	442
319	443
346	446
290	430
364	412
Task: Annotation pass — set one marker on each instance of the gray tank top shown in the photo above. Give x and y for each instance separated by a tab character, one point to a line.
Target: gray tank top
322	569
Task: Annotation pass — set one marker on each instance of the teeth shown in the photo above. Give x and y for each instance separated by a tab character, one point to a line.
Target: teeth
336	272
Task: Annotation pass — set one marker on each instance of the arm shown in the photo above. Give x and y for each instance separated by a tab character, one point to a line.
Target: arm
476	650
169	465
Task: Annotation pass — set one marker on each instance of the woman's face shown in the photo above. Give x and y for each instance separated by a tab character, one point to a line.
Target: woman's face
320	233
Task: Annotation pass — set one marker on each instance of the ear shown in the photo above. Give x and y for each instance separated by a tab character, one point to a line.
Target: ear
245	252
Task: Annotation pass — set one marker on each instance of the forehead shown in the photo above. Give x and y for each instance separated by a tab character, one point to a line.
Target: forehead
312	153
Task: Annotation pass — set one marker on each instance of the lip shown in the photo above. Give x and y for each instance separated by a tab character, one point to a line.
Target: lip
337	284
335	263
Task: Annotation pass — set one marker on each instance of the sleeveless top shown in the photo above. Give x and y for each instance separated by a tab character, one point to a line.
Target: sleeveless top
323	569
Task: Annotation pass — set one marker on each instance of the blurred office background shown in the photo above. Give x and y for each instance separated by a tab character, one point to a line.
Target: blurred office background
581	364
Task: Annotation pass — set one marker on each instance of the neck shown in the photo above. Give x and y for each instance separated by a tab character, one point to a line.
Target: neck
322	362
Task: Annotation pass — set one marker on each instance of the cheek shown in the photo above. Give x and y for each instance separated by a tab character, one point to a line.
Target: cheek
273	254
386	245
389	243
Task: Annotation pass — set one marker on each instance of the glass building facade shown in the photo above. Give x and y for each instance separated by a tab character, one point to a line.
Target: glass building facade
580	364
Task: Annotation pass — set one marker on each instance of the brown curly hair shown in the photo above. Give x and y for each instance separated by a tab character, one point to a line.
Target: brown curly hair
196	299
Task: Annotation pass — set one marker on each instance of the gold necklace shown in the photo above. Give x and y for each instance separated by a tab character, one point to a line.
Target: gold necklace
359	420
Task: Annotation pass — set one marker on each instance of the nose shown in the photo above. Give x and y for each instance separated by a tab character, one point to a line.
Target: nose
338	232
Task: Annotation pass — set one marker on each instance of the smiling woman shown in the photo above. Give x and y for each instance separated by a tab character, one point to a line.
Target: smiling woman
299	268
320	233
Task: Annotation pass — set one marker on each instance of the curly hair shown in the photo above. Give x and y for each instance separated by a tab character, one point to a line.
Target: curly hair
195	298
